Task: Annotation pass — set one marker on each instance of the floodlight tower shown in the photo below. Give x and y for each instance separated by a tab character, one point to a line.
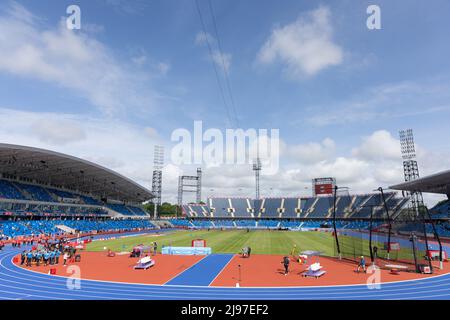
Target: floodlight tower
410	167
257	168
199	185
158	164
185	184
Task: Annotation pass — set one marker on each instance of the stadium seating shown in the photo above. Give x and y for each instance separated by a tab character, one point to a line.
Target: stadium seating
290	224
245	223
268	223
62	193
36	192
224	224
366	206
271	208
321	207
35	227
127	210
26	228
203	224
201	210
9	191
257	207
196	210
241	208
137	211
90	200
290	206
184	223
221	206
441	210
306	206
120	208
343	203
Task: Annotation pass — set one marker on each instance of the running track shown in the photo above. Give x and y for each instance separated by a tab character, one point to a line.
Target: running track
18	283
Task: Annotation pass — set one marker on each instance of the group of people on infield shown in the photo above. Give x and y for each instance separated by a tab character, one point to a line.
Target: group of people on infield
48	253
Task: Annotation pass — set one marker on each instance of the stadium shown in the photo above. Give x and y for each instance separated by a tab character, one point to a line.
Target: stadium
220	153
109	247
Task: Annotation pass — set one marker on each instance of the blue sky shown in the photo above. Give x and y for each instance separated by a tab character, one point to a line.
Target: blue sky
137	70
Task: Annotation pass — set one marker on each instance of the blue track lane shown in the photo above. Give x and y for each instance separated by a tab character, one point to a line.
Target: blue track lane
203	272
18	283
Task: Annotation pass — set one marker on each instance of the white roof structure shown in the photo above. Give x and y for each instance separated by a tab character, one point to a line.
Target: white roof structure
435	183
64	171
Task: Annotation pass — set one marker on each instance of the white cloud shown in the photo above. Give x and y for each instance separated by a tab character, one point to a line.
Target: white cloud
222	60
305	46
129	7
112	143
202	38
313	151
163	68
57	131
128	150
379	145
139	60
392	100
69	59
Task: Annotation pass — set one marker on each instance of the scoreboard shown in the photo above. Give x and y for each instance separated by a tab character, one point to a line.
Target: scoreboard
323	186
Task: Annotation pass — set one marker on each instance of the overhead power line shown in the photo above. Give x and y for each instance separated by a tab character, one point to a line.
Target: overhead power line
225	70
211	54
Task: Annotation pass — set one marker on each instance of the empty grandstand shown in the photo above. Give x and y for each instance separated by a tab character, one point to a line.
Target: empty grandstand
319	207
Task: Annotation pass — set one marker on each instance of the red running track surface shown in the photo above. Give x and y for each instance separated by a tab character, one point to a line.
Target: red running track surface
256	271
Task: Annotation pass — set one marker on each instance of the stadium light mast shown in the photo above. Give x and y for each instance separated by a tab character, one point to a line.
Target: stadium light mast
158	164
198	193
257	168
410	167
192	184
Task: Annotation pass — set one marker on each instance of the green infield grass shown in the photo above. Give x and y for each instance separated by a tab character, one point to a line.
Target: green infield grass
261	242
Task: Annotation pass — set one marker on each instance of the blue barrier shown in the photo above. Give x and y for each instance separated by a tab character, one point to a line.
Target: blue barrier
186	250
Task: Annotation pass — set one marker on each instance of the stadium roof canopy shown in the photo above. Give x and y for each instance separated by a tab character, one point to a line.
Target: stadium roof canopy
435	183
68	172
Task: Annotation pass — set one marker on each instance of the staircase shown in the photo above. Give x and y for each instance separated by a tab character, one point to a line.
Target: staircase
65	229
299	206
250	208
362	204
348	210
312	208
330	210
230	208
25	193
263	202
280	214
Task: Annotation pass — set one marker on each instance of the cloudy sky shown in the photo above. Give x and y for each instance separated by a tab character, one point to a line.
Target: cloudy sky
138	70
